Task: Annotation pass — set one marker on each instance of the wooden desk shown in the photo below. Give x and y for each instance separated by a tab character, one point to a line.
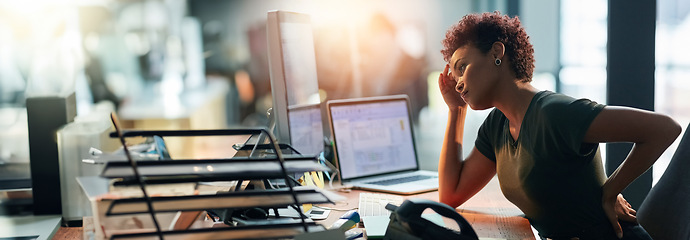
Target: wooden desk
489	213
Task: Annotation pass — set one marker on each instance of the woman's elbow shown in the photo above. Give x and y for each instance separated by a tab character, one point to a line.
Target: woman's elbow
672	129
452	199
663	131
447	198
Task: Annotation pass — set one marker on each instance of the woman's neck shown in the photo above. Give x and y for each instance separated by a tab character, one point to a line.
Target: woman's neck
513	100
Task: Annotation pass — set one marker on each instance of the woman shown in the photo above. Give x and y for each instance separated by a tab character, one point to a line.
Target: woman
542	145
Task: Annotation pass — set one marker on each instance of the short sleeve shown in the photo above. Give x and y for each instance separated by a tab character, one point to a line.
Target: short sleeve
573	121
485	137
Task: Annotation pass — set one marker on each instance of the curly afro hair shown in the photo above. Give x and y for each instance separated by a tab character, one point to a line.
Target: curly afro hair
483	30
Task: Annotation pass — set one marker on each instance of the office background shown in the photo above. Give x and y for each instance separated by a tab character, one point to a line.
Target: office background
118	50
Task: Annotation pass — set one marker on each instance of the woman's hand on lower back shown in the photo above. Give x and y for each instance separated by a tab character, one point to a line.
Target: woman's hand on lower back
618	208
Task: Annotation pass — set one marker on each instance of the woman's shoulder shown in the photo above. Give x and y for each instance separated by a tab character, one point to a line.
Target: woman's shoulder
553	99
558	103
493	120
495	116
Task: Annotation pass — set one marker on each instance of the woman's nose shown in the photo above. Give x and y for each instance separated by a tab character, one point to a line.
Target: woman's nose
459	86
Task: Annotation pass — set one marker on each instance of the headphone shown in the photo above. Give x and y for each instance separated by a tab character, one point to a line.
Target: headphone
410	214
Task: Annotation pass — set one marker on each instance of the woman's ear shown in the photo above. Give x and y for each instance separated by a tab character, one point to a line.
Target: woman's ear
498	50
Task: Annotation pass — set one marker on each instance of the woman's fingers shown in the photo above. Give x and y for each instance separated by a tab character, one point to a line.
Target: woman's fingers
617	228
613	209
442	83
444	80
629	213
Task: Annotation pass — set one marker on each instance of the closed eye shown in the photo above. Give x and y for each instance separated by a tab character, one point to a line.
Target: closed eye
461	70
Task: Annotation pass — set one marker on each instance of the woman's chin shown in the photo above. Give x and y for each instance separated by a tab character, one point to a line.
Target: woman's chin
478	107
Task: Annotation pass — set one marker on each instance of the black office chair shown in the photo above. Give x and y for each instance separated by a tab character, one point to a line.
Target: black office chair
665	212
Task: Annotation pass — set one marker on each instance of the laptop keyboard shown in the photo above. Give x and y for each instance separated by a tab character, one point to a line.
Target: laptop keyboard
374	204
394	181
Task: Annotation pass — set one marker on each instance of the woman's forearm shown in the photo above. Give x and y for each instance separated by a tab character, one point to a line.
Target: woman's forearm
641	158
450	162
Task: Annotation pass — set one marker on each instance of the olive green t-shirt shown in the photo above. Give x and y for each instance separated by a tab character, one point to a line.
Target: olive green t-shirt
548	172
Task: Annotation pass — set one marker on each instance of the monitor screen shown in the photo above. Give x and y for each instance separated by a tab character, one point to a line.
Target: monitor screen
292	65
306	128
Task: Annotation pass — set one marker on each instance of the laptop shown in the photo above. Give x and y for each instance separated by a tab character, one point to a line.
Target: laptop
374	145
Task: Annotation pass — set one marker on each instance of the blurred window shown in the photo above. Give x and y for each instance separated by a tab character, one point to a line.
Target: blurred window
672	69
583	48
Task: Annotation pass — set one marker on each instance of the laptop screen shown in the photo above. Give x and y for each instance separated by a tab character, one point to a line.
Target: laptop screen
372	137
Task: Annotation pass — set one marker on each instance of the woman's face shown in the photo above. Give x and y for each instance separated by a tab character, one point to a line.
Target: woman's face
475	74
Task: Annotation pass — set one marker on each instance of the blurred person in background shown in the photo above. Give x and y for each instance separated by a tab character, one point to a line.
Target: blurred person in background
376	58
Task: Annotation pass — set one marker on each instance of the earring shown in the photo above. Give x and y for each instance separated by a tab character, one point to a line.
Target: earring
497	62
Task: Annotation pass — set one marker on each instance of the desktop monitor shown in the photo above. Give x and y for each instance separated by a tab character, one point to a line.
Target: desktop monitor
294	85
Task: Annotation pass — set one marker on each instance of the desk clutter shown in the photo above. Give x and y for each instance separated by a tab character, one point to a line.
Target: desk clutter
206	198
238	198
